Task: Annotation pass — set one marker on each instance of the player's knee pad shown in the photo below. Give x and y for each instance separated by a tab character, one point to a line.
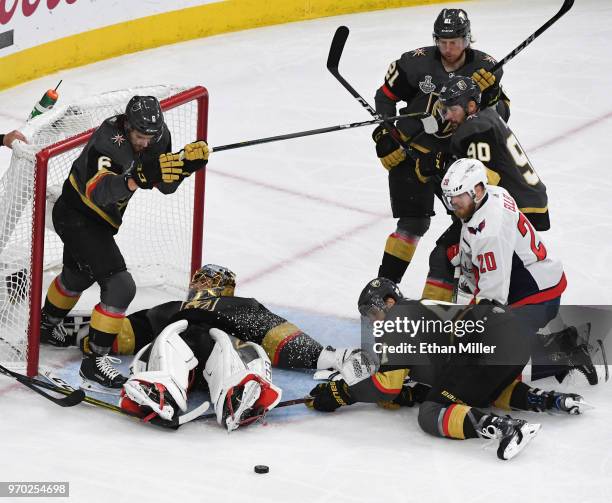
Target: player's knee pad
160	373
118	290
76	280
239	377
415	226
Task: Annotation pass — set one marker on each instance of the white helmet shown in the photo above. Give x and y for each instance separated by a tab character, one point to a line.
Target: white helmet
462	176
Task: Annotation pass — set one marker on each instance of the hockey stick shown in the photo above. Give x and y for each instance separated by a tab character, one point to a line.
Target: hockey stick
72	398
61	386
333	62
300	134
342	33
567	5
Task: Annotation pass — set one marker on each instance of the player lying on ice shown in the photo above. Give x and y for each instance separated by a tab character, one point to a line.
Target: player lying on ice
452	389
504	264
233	341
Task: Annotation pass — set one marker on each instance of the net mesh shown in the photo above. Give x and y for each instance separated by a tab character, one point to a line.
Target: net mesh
155	237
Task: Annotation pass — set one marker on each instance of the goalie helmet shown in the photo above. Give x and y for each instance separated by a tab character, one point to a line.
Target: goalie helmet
144	114
463	176
452	23
211	281
459	91
372	298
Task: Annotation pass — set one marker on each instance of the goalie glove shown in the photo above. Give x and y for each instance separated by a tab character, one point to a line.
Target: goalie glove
388	150
484	78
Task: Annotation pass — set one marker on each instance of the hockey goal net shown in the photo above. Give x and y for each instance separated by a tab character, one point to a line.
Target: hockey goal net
161	237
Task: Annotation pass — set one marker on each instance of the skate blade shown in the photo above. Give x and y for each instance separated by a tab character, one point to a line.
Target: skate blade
94	387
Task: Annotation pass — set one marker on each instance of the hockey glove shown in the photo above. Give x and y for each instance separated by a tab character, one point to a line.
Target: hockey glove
172	167
388	150
195	156
432	164
408	397
484	78
147	175
329	396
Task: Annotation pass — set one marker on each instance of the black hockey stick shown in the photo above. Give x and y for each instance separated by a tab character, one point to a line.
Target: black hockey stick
567	5
333	62
61	386
300	134
72	398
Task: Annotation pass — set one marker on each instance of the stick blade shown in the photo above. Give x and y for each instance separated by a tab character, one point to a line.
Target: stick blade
336	48
74	398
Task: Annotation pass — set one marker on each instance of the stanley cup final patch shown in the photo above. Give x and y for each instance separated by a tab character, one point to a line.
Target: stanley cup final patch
427	86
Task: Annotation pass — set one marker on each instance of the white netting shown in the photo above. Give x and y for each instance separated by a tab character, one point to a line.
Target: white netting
155	237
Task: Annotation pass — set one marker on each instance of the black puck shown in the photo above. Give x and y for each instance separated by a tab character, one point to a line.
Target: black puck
261	469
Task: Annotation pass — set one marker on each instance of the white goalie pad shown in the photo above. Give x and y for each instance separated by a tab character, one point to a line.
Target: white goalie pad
162	366
242	370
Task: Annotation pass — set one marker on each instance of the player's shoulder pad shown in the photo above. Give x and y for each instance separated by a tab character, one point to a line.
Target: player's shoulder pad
474	124
487	221
110	138
484	58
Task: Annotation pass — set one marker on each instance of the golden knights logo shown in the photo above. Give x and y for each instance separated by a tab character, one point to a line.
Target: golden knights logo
434	108
427	86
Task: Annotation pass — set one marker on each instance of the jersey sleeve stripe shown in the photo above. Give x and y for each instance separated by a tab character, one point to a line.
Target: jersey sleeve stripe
385	89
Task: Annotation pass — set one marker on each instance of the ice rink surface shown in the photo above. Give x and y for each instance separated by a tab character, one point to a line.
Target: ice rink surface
303	224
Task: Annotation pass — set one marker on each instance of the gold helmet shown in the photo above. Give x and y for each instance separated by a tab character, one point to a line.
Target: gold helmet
212	281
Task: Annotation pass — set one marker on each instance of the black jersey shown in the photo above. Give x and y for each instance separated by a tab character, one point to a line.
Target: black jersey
96	185
417	78
244	318
486	137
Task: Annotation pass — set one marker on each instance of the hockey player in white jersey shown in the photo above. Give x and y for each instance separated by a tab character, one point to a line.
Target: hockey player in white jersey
502	257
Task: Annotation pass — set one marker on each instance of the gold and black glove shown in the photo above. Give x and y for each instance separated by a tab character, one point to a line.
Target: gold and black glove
329	396
147	175
432	164
172	167
388	150
195	156
408	397
484	78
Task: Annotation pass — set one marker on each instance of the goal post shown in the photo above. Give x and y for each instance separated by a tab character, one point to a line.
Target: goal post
161	236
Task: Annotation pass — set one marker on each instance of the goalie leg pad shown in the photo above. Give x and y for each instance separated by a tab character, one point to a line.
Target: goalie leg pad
160	373
239	377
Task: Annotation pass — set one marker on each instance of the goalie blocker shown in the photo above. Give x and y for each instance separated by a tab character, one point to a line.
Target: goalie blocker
238	376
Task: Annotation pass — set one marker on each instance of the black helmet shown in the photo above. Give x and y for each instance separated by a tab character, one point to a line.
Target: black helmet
459	91
144	114
373	296
452	23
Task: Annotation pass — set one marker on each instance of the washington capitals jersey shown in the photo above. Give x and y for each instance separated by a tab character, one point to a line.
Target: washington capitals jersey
502	256
417	78
486	137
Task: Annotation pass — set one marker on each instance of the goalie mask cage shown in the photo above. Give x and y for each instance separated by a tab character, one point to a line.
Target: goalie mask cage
161	235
